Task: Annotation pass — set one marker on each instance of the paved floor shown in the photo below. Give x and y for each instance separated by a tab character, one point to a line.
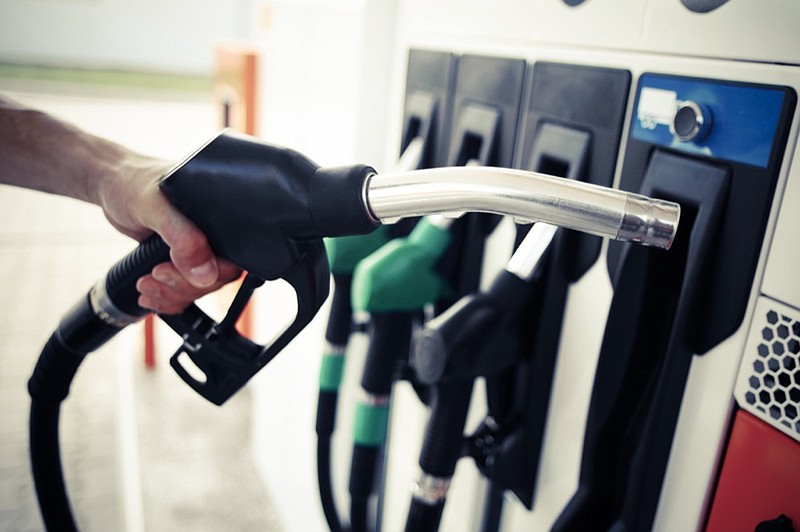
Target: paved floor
141	451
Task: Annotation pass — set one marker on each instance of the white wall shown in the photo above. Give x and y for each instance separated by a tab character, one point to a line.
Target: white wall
162	35
326	70
327	67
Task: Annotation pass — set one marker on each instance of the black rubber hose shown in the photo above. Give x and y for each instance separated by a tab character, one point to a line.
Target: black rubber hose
359	509
80	332
423	517
325	484
389	337
48	476
441	449
363	473
48	386
492	509
337	334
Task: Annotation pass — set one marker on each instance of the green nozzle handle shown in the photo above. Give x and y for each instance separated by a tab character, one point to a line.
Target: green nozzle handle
401	276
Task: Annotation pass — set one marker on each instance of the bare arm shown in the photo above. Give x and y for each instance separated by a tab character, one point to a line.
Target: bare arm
42	153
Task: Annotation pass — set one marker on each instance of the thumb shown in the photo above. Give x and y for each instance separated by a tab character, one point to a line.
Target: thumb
189	250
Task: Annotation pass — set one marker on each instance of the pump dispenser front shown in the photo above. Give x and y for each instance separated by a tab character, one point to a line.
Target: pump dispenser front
715	148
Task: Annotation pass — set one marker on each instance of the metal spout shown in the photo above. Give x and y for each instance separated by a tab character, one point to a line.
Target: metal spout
528	197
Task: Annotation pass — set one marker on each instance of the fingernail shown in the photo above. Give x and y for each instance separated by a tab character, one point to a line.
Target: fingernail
203	275
163	277
147	302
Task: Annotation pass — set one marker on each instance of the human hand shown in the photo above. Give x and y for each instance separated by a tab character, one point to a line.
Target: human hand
167	291
43	153
134	205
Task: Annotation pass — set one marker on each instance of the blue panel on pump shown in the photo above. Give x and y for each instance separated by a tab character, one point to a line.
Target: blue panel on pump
724	120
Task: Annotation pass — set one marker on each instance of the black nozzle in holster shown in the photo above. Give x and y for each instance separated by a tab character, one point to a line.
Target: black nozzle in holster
476	336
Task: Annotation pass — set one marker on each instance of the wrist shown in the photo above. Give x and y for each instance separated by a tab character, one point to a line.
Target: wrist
112	167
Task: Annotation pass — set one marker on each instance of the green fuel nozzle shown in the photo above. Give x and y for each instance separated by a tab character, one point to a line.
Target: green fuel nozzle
401	276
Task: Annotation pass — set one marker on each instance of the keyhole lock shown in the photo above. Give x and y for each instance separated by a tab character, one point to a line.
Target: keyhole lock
691	121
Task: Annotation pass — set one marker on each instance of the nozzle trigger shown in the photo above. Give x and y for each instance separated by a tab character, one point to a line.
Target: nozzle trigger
215	360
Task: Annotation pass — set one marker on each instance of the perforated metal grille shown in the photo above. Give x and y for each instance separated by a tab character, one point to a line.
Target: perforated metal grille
769	379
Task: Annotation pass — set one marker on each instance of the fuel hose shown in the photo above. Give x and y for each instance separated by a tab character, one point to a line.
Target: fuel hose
344	254
79	333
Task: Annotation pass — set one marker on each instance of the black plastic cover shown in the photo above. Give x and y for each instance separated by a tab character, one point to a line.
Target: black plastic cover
427	110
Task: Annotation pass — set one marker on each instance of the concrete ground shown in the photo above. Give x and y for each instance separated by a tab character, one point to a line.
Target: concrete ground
141	451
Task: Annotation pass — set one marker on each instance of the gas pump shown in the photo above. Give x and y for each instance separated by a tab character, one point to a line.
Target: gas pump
709	377
687	303
482	334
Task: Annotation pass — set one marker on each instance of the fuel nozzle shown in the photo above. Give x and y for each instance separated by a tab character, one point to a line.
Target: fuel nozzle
477	335
528	197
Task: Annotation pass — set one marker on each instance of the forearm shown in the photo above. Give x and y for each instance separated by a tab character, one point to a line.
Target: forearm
40	152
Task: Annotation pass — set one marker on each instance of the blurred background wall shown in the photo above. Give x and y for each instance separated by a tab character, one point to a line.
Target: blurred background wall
171	36
327	86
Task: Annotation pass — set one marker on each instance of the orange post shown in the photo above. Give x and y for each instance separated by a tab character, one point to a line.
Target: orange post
235	94
149	342
235	88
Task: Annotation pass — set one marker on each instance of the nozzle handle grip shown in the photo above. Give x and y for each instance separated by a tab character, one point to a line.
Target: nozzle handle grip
226	359
266	209
120	282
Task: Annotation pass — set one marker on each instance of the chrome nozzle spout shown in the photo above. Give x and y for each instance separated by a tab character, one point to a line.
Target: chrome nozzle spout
528	197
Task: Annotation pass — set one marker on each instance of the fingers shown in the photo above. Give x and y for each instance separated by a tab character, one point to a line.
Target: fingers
167	291
135	205
189	250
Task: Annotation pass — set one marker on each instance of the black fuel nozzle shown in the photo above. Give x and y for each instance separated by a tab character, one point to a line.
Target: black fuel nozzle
479	335
266	209
472	337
